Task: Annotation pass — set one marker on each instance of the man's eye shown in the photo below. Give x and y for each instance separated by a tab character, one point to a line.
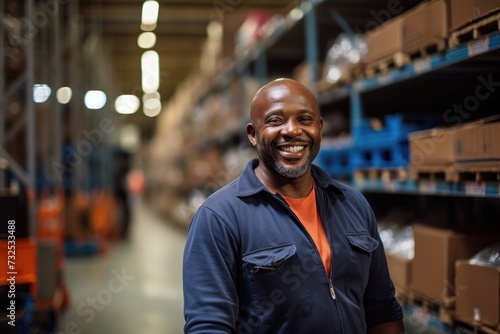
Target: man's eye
306	119
274	120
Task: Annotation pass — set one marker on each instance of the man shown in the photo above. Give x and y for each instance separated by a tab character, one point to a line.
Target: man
284	248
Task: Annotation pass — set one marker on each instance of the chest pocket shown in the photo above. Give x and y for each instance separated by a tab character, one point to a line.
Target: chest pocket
279	294
362	245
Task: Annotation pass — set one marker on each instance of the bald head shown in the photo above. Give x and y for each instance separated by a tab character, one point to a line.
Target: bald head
279	90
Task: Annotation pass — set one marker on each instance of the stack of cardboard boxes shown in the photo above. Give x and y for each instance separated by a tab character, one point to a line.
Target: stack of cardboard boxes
469	147
441	274
427	25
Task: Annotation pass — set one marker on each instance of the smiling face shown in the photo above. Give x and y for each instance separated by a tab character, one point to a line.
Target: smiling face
285	128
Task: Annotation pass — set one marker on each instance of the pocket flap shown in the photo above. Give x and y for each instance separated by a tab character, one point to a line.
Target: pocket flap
270	256
363	241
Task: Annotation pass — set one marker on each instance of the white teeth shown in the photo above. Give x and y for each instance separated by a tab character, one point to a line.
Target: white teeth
292	149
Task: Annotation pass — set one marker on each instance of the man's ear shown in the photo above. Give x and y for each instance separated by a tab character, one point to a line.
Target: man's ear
251	134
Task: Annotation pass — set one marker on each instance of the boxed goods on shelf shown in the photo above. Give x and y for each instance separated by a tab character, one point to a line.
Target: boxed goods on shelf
436	251
480	302
425	26
475	144
385	41
432	147
478	144
400	271
478	299
399	250
465	11
344	57
303	73
251	31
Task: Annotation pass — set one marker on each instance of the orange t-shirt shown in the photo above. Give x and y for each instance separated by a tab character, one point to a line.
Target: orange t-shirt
306	210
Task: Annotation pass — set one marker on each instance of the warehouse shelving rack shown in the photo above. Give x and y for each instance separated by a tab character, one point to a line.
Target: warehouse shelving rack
39	40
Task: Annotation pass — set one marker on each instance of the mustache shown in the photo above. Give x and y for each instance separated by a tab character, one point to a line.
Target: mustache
295	140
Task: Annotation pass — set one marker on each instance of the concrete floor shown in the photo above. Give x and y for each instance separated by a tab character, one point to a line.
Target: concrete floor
135	289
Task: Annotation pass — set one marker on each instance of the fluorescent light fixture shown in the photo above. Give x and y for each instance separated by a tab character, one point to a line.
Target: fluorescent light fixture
153	95
41	93
150	66
152	108
95	99
152	104
64	95
296	14
334	74
146	40
149	14
127	104
214	29
130	138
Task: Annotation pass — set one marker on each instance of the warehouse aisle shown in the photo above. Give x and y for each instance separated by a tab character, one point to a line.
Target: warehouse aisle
135	289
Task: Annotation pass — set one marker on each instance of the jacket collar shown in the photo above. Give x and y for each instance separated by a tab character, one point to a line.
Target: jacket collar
248	184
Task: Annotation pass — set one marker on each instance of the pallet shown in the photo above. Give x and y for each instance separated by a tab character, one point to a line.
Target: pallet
438	45
456	173
382	66
475	30
444	309
385	175
475	326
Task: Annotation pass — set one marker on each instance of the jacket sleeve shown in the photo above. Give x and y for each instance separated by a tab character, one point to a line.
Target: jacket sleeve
379	298
209	276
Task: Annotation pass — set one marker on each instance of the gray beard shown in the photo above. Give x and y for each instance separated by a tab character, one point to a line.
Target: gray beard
290	173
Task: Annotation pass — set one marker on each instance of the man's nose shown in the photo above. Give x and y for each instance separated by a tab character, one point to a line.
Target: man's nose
291	129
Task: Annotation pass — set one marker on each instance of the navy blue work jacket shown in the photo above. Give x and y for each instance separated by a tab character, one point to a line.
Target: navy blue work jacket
251	267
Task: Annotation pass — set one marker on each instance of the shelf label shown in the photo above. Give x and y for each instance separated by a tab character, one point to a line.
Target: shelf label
427	186
479	46
475	188
390	185
385	79
422	65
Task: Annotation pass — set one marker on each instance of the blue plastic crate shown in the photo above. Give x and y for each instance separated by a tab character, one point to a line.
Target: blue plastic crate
391	155
394	131
335	161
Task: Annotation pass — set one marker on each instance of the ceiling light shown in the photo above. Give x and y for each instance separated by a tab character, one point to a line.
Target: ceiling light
95	99
130	138
155	108
149	14
127	104
64	95
150	66
146	40
41	93
214	29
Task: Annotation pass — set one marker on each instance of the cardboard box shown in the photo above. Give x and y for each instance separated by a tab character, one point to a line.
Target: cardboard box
303	72
385	40
400	271
478	293
433	147
462	12
478	144
424	25
436	251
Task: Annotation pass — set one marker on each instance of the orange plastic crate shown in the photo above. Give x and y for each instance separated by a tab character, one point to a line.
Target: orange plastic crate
25	262
50	220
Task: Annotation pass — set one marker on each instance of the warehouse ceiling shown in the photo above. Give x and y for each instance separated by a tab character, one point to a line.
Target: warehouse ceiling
182	29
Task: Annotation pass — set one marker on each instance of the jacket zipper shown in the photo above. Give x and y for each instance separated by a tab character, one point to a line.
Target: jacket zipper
330	277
